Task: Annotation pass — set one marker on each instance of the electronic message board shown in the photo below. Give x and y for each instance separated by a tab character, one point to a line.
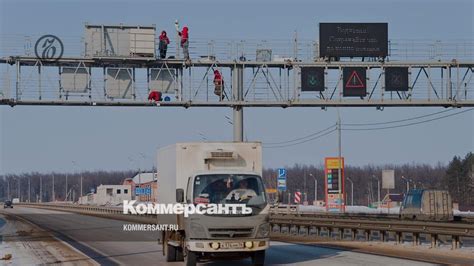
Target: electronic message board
353	39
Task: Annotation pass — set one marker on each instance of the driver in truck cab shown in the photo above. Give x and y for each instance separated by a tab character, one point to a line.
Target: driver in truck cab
242	192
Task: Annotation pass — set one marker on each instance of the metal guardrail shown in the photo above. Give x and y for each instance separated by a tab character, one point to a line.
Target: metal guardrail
287	222
293	225
295	210
102	211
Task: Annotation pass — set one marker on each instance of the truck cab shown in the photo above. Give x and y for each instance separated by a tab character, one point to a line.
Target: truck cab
222	174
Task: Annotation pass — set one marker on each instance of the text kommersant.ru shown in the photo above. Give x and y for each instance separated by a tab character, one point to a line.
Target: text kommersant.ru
130	207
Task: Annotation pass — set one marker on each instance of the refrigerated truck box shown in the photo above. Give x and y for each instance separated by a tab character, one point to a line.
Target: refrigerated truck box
180	161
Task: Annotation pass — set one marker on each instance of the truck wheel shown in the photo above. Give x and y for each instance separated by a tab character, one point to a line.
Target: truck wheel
190	259
170	253
258	257
179	254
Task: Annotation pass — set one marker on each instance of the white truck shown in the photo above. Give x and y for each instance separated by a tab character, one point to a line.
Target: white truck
213	173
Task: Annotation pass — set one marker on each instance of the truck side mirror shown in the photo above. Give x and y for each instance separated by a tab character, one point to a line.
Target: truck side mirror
179	195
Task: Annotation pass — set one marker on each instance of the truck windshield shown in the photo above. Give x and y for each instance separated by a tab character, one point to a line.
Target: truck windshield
229	188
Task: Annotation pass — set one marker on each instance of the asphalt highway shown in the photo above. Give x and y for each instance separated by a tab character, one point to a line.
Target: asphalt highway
105	241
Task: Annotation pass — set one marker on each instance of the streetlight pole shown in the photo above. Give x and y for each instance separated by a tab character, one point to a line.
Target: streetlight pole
408	183
29	188
74	162
378	189
41	189
352	191
339	156
315	187
19	189
65	197
304	185
8	188
53	196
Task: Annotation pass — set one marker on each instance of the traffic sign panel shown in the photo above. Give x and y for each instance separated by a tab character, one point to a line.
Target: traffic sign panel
396	79
355	84
142	191
312	79
281	180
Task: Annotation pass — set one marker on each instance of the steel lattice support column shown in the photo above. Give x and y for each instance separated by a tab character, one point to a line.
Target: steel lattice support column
237	96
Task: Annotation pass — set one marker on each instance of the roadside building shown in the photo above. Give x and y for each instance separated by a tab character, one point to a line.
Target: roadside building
391	201
144	186
112	194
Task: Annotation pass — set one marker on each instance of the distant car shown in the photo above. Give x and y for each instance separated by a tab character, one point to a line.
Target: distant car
8	204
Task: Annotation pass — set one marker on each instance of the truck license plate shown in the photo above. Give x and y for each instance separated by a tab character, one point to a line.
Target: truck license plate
232	245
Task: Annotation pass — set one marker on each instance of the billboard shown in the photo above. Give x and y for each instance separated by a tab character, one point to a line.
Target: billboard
396	79
334	186
388	179
354	82
353	39
312	79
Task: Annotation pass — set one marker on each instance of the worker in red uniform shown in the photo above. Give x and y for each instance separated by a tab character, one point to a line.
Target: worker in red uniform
154	96
218	85
163	45
184	34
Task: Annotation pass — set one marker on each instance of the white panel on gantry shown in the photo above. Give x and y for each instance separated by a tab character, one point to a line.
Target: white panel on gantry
75	79
162	79
119	83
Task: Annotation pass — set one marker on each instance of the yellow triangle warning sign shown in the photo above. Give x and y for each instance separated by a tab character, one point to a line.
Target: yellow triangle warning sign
354	81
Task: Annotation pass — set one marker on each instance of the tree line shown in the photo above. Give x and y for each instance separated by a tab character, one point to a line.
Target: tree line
38	187
456	177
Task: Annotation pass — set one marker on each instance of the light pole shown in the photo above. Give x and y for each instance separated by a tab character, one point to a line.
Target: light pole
408	183
41	189
65	197
19	189
53	196
315	187
352	191
29	188
304	185
8	188
74	163
378	189
339	155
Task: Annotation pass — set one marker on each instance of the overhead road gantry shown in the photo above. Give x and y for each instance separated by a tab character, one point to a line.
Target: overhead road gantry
351	65
264	84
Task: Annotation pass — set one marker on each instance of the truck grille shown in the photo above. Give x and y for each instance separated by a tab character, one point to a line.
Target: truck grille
230	232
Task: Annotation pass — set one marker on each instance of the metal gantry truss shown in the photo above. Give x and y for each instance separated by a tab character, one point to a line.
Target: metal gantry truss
30	81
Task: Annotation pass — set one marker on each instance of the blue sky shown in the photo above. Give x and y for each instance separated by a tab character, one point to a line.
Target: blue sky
48	138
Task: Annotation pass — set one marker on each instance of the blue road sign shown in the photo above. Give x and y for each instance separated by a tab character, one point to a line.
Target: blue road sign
142	191
281	180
